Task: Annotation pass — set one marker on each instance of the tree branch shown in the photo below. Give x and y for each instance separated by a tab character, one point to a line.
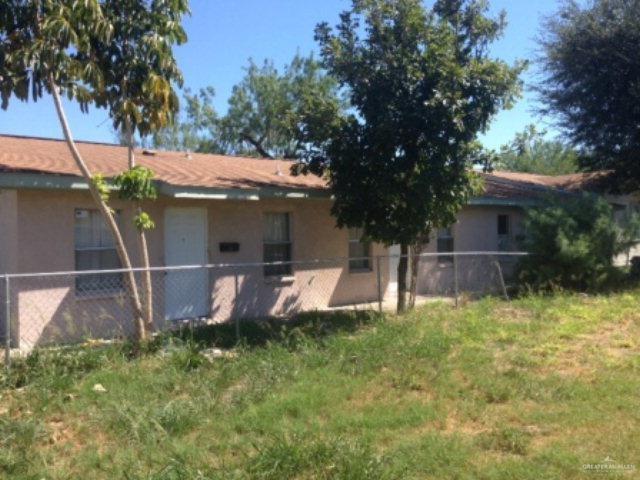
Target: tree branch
257	145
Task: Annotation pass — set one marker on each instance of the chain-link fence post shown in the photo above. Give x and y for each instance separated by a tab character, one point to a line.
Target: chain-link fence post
455	279
236	288
501	278
7	324
379	275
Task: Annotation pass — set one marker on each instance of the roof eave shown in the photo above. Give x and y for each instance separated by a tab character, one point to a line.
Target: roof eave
503	202
41	181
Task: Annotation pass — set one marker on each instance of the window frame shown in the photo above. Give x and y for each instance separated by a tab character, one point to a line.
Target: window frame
361	263
504	239
277	271
444	259
89	285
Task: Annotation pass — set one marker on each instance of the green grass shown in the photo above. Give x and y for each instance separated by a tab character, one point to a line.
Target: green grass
531	389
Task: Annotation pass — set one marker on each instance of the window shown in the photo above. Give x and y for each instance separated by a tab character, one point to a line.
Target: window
504	233
359	251
277	244
95	250
445	244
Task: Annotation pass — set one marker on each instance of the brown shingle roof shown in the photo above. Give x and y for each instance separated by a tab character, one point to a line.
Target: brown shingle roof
38	155
48	156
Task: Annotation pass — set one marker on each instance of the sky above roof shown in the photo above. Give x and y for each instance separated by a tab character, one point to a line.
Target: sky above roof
224	34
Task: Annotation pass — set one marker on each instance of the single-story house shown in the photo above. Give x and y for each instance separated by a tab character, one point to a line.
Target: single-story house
211	209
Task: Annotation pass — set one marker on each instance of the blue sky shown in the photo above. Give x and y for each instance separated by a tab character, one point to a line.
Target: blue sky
224	34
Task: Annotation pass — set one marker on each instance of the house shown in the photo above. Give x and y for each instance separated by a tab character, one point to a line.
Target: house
211	210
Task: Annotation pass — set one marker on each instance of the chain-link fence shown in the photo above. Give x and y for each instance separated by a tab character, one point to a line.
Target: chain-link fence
43	309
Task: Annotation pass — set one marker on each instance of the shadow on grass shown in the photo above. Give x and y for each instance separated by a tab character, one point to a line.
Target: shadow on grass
314	326
56	367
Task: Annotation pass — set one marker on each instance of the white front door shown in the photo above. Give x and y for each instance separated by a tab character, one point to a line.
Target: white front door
185	243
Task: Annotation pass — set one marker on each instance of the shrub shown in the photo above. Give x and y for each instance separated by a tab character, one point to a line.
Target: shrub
572	241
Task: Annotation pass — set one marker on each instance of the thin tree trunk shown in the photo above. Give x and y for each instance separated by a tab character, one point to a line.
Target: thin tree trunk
416	250
134	296
147	286
402	278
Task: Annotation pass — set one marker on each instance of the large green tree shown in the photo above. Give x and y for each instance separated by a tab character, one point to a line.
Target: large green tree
422	86
196	129
591	69
271	113
72	48
531	152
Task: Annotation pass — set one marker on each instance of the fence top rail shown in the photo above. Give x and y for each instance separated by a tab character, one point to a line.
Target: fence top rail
315	261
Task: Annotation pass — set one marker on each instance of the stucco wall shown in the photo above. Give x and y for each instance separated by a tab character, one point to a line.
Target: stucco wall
8	248
476	230
8	230
49	309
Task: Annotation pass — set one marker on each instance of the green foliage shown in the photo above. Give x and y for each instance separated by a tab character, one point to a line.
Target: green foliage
102	186
137	63
143	221
196	130
530	152
422	86
136	184
590	62
50	41
271	114
572	243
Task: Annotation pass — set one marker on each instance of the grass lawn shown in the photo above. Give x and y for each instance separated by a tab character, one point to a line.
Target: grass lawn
532	389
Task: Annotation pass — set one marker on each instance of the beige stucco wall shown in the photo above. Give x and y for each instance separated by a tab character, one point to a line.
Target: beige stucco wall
8	247
476	230
48	308
8	230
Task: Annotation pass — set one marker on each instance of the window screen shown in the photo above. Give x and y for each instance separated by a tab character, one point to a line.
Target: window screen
95	250
359	251
445	244
277	244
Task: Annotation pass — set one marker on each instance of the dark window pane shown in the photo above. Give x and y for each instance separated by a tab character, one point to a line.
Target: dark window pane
98	283
445	244
503	224
277	252
359	254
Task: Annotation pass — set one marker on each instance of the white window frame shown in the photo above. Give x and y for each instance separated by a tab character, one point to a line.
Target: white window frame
275	271
361	263
448	235
95	284
504	239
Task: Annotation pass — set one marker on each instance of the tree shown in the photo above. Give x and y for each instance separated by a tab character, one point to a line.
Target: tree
422	86
138	70
572	242
196	130
275	115
591	73
531	152
59	47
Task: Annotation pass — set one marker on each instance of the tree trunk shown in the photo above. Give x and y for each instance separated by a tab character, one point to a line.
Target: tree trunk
416	250
147	286
402	278
106	212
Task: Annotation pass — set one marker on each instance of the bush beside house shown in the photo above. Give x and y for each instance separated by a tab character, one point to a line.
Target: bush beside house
573	241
